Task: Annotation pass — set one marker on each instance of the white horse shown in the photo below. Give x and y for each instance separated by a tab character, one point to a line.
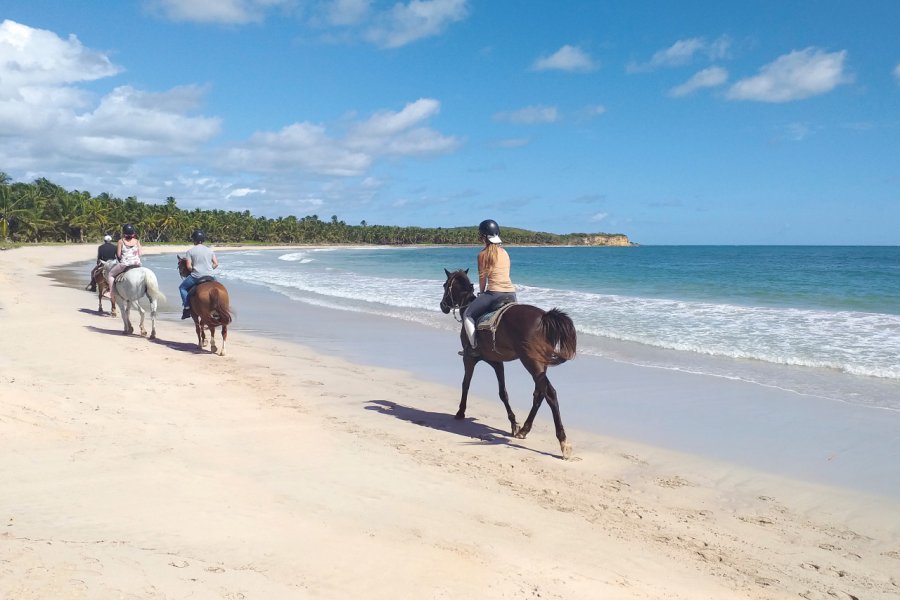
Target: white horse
131	286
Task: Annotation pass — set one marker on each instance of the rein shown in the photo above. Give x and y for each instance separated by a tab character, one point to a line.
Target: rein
457	305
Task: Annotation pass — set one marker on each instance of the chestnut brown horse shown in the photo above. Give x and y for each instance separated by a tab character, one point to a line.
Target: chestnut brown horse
209	309
526	333
102	287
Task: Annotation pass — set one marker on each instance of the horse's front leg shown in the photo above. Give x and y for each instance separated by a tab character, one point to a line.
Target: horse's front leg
504	396
469	364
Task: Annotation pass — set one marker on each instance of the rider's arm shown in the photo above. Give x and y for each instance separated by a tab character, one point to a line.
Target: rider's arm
119	248
215	262
482	272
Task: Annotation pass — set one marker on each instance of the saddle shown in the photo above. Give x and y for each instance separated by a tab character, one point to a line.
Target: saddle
121	275
489	321
200	280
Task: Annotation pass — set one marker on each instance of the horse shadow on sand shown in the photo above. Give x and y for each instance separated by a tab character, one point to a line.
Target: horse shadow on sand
469	427
188	347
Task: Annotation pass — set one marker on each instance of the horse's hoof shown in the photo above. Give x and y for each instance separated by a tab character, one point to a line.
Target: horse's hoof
566	448
515	429
152	336
520	434
459	416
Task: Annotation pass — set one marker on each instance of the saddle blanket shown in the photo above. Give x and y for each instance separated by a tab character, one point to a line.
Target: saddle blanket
121	276
490	320
200	280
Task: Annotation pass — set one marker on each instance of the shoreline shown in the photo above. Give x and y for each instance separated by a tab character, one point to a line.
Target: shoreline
771	429
273	472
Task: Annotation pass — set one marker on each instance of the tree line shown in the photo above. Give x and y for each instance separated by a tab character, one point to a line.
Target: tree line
42	211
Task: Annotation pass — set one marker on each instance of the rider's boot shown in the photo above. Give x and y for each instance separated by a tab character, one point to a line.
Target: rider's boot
469	326
185	312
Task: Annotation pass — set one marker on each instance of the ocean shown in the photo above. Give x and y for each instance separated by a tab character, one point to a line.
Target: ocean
820	321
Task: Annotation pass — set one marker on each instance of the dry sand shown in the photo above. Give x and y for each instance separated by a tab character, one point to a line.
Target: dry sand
139	469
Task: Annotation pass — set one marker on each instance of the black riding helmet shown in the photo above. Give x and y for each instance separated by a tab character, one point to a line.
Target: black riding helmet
127	229
198	237
490	230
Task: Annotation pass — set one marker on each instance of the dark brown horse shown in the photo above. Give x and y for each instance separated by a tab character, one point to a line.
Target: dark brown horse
537	338
209	309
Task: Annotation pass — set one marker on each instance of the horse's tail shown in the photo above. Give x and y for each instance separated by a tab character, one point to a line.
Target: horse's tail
153	291
219	307
559	332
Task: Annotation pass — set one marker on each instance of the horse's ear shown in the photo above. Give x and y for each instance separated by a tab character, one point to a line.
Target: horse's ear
467	271
447	272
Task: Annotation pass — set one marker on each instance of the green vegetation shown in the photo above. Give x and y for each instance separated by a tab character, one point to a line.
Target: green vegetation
42	211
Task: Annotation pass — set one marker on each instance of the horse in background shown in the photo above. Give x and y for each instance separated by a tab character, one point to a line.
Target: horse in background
209	308
103	287
526	333
132	285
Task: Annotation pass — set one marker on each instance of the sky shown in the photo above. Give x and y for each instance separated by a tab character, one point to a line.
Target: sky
690	122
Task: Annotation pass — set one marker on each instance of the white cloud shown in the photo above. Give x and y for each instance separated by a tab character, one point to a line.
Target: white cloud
513	143
311	148
794	76
46	118
797	132
229	12
567	58
242	192
417	19
599	216
711	77
683	53
897	72
36	59
530	115
347	12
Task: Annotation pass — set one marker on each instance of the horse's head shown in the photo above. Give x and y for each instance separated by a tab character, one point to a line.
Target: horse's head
107	265
458	291
182	266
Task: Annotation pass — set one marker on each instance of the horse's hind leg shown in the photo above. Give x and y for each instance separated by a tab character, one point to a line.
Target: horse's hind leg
544	389
199	329
153	307
224	337
212	339
504	396
141	311
125	310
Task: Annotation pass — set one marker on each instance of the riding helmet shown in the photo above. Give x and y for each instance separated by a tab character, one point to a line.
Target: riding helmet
198	237
490	230
128	229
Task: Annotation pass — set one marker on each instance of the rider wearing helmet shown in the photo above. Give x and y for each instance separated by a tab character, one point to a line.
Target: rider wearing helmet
493	279
201	260
128	252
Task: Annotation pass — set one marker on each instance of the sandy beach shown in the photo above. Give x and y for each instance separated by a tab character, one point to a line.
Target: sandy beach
145	469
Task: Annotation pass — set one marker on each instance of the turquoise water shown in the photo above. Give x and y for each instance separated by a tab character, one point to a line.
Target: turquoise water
818	320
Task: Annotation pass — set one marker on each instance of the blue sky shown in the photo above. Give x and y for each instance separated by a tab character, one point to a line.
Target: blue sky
672	122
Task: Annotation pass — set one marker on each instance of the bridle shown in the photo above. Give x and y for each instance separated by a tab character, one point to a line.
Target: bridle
456	305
